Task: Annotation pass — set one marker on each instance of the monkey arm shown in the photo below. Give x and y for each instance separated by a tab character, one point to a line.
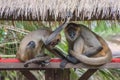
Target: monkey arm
91	41
57	52
40	60
72	59
94	47
92	51
56	32
66	58
69	58
59	29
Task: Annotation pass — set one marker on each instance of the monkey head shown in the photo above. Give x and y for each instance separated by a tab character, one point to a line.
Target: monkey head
26	53
55	41
72	31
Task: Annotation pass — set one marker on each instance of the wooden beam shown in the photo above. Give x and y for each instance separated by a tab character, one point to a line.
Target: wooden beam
114	16
87	74
59	19
57	74
20	66
28	75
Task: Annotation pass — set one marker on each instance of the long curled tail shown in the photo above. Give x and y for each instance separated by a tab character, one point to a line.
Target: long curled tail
93	61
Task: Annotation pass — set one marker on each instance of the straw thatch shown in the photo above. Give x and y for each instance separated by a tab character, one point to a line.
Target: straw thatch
56	9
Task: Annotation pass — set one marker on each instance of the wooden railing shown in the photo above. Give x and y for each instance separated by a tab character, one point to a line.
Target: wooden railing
53	70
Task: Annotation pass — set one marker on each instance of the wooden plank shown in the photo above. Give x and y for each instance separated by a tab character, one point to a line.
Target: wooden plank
28	75
66	74
80	65
57	74
61	74
2	77
49	74
18	66
87	74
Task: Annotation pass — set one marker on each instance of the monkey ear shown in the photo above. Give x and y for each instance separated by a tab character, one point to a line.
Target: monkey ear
31	44
59	29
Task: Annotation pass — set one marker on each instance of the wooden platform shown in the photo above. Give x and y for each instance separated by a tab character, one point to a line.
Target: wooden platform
53	71
20	66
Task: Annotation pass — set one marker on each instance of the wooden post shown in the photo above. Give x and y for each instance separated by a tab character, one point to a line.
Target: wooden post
87	74
2	77
28	74
57	74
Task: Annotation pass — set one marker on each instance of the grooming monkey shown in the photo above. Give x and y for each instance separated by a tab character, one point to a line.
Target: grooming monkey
33	44
86	46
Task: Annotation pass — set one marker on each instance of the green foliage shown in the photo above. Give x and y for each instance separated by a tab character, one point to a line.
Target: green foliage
30	26
2	34
63	44
106	28
106	74
73	75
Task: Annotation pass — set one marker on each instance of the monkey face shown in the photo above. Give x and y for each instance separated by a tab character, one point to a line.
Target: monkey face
55	41
72	31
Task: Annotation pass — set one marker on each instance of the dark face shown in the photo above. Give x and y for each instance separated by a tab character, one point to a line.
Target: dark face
72	33
55	41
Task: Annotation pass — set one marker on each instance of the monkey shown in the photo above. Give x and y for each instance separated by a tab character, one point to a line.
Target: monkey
59	29
92	47
35	43
32	46
86	46
72	36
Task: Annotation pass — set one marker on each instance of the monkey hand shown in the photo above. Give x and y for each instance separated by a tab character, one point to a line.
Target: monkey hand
38	60
69	58
72	59
42	63
63	63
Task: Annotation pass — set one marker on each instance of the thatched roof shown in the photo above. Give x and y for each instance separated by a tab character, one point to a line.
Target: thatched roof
56	9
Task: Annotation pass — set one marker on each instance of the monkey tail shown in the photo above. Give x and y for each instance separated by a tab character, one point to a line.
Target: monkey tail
94	61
